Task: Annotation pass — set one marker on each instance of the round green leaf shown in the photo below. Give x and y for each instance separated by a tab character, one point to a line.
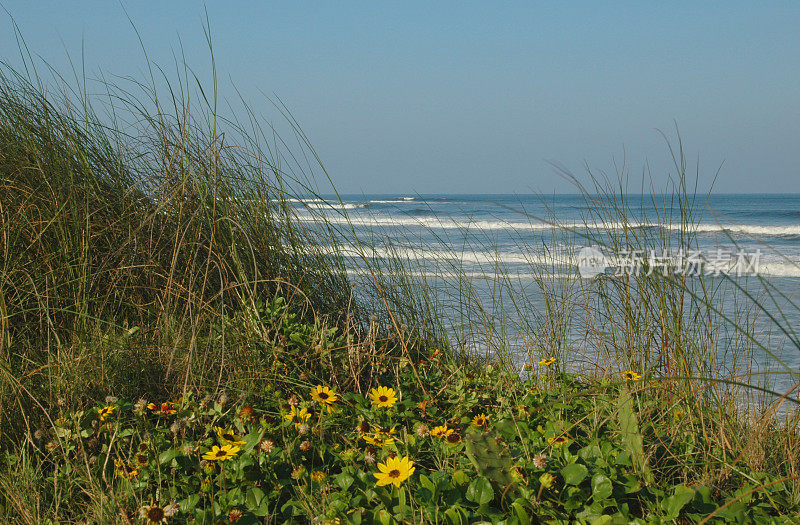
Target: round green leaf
480	491
574	474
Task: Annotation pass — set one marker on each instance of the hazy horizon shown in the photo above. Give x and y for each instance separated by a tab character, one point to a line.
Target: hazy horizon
475	99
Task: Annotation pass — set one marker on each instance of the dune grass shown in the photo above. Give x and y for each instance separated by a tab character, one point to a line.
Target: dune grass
152	251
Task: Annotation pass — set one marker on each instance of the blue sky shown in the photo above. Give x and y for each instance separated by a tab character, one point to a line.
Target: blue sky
459	98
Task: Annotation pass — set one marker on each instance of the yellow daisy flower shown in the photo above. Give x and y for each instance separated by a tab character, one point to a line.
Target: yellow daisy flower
394	471
153	514
317	476
379	440
630	375
221	454
228	436
548	361
388	432
121	470
558	441
324	395
106	412
363	425
383	397
298	416
441	431
480	420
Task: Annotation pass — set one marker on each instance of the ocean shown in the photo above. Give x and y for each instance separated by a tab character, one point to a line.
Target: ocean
750	241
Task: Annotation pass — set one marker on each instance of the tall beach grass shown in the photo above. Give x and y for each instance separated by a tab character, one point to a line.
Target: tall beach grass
145	236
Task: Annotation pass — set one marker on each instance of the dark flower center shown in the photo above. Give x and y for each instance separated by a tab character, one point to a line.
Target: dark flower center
155	514
323	395
383	399
221	454
394	473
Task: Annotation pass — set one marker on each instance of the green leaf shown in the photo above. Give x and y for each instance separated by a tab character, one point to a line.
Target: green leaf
460	477
254	498
673	504
189	503
344	481
575	473
426	482
454	514
519	510
480	491
601	487
168	455
383	517
631	436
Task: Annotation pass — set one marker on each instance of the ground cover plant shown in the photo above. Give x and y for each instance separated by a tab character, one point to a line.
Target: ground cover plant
428	441
176	347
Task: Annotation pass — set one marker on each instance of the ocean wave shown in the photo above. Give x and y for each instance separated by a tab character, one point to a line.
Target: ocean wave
323	205
401	200
445	255
306	201
565	260
483	224
419	212
429	274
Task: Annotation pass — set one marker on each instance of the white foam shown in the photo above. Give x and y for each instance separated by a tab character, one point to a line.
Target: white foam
306	201
479	225
401	200
558	259
428	274
322	205
450	256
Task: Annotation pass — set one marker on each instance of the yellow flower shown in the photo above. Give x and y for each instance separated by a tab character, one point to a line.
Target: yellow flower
480	420
441	431
630	375
106	412
547	362
221	454
453	438
298	416
324	395
121	470
387	432
379	440
383	397
363	425
153	514
317	476
166	408
394	471
228	437
558	441
546	480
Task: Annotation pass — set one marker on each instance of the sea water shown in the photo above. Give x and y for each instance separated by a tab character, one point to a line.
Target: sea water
753	240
